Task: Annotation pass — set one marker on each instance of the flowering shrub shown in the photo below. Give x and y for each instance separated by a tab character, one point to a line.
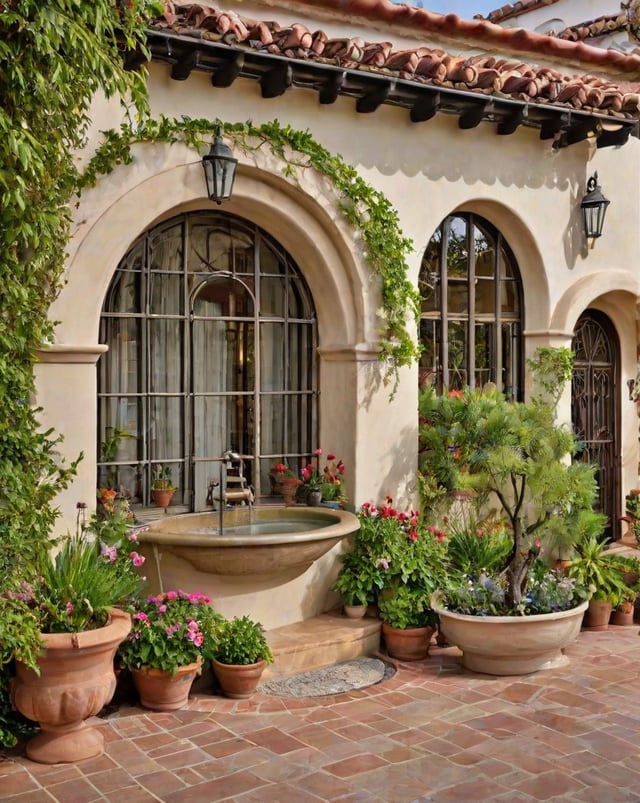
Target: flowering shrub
486	595
392	548
94	570
329	480
172	630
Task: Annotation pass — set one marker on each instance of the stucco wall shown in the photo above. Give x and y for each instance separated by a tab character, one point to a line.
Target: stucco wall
427	170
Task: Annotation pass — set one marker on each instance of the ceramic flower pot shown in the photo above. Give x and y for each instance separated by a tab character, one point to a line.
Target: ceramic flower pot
511	645
162	496
409	644
162	691
597	615
314	498
76	680
289	488
238	681
355	611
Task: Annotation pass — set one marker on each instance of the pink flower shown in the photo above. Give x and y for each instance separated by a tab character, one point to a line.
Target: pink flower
137	559
171	595
162	608
110	553
413	535
331	456
141	616
69	608
318	452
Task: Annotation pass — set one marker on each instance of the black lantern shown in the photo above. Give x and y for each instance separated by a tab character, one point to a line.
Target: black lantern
594	208
219	170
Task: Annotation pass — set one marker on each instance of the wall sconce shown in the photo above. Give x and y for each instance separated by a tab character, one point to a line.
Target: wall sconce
594	208
219	170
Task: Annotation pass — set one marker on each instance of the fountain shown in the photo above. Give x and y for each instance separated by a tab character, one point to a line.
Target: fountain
275	564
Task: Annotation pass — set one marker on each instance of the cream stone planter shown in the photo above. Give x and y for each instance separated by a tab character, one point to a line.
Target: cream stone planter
511	645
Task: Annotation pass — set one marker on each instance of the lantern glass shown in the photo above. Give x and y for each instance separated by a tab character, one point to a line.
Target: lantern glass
594	208
219	171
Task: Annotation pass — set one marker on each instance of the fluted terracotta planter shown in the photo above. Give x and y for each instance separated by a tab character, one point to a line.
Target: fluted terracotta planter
76	680
511	645
238	681
162	691
409	644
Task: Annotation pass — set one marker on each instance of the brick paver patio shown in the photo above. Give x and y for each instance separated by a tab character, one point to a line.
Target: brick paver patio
432	732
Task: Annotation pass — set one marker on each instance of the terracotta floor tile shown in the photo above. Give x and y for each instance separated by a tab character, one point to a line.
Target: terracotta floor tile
160	782
355	765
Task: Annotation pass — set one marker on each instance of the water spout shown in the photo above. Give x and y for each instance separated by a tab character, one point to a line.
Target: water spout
231	488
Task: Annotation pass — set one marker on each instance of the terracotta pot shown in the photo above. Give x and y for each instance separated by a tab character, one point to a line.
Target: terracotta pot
622	616
76	680
511	645
162	496
410	644
289	488
354	611
238	681
162	691
597	615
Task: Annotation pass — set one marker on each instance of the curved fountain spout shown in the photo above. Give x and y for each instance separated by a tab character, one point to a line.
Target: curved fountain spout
240	493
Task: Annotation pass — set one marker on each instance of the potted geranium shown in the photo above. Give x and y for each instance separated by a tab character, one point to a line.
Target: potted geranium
79	599
172	634
513	455
241	656
408	622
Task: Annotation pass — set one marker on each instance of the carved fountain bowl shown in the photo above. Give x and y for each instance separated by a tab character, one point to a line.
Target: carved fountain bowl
263	541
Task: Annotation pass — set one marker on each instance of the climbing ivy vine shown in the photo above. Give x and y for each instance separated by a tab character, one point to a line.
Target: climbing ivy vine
385	249
54	57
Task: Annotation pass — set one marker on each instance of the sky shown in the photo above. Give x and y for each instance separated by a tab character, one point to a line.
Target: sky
463	8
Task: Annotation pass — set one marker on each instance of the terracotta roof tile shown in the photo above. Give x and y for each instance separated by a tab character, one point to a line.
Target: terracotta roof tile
484	32
484	74
514	9
601	26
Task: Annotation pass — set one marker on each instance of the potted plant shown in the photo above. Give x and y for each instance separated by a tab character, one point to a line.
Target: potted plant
513	455
162	488
312	480
172	634
408	621
632	514
78	599
603	572
241	656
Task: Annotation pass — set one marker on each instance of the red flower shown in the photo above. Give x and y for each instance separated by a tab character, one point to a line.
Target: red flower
331	456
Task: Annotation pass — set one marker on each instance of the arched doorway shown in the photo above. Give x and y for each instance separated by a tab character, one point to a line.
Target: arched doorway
212	341
594	405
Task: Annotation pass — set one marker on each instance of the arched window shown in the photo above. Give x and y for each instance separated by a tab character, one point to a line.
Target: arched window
212	339
471	318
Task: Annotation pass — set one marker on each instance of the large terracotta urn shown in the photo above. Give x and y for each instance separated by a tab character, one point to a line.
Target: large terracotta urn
511	645
76	680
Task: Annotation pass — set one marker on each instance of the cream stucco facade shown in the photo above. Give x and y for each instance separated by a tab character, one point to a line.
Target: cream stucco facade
528	190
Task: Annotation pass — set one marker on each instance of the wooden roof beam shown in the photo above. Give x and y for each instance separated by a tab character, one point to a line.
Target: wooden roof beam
228	71
512	121
425	108
472	116
373	100
183	68
276	81
330	90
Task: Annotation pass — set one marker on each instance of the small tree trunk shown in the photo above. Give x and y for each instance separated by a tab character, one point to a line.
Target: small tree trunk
518	569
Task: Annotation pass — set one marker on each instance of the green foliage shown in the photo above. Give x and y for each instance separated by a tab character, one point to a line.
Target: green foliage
488	595
367	209
172	630
513	453
242	642
477	546
600	571
406	606
161	480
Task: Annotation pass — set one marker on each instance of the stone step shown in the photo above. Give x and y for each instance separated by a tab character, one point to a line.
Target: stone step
320	641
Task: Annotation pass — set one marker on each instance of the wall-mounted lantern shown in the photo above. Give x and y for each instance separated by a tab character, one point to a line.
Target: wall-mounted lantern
594	208
219	170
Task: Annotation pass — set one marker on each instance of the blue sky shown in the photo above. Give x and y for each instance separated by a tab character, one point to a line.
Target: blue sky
463	8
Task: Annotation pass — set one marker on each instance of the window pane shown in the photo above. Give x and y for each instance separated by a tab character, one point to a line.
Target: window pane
484	354
511	335
164	437
165	294
223	297
485	252
485	296
165	352
457	250
509	298
429	281
300	356
429	358
119	368
272	357
457	346
124	294
272	297
166	249
269	260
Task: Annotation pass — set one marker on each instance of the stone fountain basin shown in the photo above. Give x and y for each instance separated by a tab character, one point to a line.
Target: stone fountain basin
275	541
